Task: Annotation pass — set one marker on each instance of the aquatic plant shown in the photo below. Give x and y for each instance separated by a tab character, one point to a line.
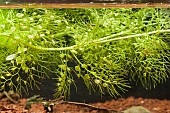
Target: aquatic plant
107	48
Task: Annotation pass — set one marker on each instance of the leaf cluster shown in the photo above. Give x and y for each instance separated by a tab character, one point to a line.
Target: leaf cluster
107	48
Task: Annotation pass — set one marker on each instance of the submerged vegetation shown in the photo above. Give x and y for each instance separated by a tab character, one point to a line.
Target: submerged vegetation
107	48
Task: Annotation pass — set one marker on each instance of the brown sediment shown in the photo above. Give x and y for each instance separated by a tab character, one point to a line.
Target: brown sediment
111	106
88	5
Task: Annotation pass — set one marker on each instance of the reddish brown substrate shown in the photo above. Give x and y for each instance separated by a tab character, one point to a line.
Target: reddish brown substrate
154	105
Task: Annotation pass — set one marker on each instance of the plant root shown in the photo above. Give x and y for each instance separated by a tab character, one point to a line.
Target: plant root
91	107
8	95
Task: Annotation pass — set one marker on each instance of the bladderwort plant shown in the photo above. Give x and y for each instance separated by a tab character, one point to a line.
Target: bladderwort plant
107	48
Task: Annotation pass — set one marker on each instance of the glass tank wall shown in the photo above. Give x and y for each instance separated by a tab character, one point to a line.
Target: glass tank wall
85	1
75	52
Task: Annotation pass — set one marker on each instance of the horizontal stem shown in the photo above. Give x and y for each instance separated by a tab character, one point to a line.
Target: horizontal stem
95	41
39	47
124	32
131	36
52	49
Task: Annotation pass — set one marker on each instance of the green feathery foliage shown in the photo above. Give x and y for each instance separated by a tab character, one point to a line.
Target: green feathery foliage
107	48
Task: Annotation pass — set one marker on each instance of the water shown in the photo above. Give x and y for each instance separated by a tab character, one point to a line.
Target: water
47	88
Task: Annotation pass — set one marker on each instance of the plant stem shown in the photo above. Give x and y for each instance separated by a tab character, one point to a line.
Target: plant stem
39	47
131	36
94	41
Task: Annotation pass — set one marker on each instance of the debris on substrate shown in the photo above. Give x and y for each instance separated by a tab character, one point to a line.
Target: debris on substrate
11	103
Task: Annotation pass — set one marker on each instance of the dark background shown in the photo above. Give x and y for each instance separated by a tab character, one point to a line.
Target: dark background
82	94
